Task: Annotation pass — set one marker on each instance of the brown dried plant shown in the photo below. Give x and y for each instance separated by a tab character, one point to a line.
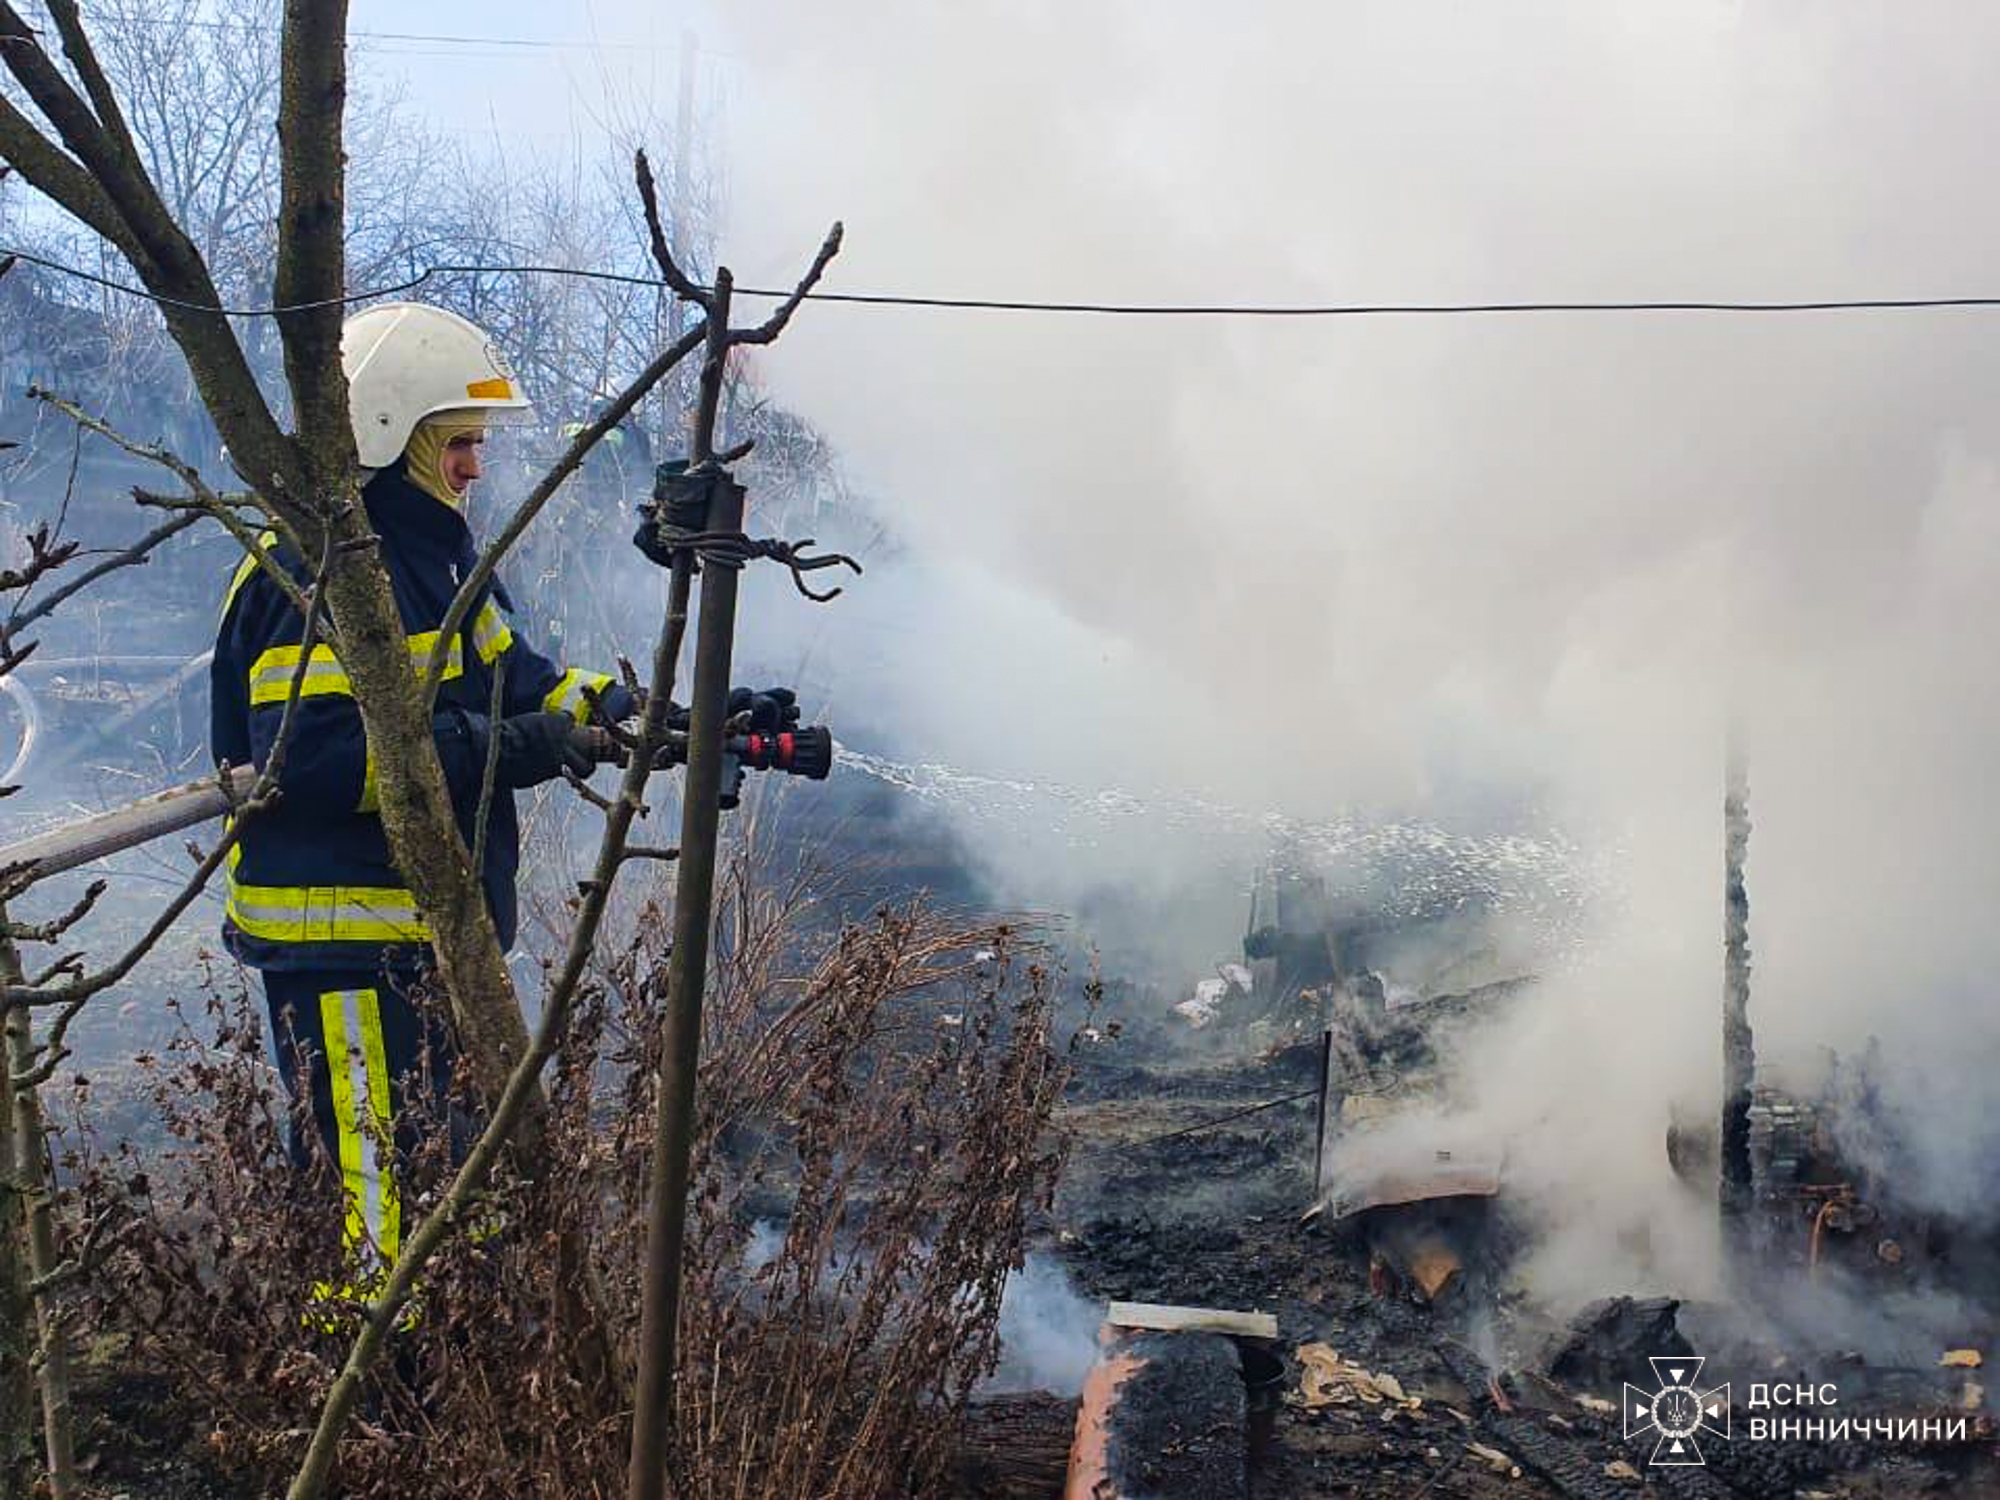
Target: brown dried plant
875	1140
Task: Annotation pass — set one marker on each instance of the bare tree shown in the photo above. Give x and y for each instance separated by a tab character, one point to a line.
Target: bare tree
78	149
73	139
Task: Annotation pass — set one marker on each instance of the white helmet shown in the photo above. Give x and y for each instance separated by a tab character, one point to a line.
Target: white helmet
406	361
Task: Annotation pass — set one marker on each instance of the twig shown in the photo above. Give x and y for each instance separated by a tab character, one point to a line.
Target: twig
767	331
181	469
584	790
198	488
1174	1135
49	932
663	254
139	552
1432	1483
44	557
69	963
98	1236
489	772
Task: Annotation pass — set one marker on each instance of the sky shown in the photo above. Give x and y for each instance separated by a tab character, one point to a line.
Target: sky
1509	571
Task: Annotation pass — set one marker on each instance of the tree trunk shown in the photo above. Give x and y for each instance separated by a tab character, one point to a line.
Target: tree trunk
17	1430
29	1167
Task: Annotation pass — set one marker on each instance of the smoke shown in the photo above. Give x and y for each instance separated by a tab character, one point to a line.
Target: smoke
1508	574
1048	1332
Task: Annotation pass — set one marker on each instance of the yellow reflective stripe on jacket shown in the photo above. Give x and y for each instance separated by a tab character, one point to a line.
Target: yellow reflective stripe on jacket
490	634
326	913
322	913
371	794
266	541
569	695
358	1072
271	674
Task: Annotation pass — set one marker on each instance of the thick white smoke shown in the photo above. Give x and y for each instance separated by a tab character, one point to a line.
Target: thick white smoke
1426	566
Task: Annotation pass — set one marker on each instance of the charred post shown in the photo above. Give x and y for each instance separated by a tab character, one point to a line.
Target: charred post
1739	1065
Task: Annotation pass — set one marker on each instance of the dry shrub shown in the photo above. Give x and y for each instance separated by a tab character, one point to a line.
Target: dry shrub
874	1140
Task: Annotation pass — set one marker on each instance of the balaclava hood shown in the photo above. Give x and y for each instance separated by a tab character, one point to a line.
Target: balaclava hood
423	455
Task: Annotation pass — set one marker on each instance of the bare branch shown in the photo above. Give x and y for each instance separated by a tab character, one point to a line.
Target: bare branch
102	1233
768	331
663	254
44	557
233	500
244	533
139	552
83	58
99	152
584	790
181	469
489	773
57	174
108	189
50	931
200	497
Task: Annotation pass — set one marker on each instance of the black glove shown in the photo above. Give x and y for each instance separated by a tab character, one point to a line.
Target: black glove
535	748
770	710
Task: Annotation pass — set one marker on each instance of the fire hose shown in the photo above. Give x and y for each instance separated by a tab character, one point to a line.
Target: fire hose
806	752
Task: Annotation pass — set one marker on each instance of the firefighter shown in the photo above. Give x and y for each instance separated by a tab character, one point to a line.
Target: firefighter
314	901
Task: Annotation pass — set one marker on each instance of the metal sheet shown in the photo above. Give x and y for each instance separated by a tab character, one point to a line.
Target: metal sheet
1360	1174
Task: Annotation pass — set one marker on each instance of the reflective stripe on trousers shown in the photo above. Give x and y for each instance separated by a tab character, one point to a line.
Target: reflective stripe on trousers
363	1120
371	1069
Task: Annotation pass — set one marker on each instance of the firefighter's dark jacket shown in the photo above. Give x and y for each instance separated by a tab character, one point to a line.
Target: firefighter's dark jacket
311	884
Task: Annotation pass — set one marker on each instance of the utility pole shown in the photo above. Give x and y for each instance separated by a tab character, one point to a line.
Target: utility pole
687	967
1739	1063
725	550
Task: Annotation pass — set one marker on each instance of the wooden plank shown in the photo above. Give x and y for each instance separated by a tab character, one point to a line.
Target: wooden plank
1162	1318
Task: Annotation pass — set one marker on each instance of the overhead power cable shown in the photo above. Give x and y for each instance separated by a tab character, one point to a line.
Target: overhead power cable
442	39
1037	305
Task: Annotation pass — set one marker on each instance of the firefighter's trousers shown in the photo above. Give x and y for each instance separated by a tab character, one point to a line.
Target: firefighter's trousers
376	1067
